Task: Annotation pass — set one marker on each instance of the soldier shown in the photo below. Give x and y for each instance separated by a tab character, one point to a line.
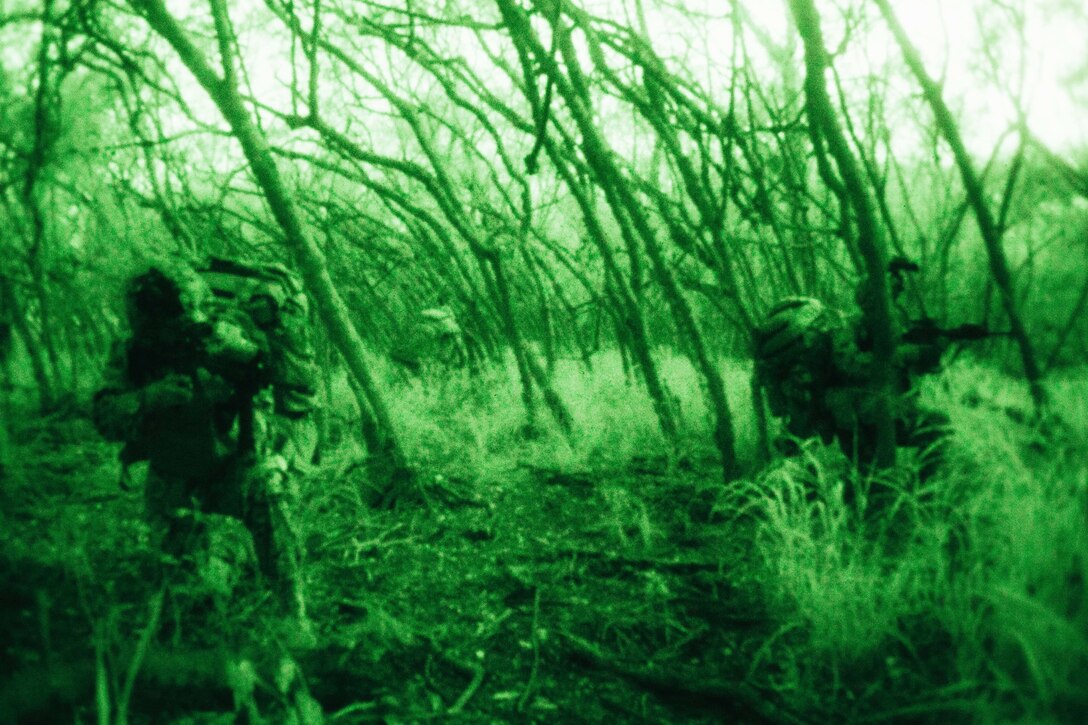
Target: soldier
214	390
448	340
816	366
435	338
795	364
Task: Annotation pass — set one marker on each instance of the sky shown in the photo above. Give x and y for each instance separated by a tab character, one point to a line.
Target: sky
945	31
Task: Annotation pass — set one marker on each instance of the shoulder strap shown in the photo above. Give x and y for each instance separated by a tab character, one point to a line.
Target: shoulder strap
238	286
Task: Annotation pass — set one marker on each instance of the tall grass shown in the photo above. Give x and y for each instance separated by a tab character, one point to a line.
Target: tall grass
472	425
964	592
971	583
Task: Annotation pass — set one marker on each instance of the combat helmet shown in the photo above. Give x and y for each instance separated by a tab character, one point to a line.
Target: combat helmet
791	332
164	293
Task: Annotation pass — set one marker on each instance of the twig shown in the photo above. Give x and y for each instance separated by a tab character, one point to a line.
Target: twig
101	682
353	709
138	656
546	552
741	700
475	668
531	684
473	686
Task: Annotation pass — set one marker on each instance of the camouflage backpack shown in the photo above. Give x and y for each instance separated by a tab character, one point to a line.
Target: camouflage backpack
267	302
793	331
794	350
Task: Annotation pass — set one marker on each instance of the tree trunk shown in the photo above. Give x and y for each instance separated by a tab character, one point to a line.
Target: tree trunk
491	263
32	202
871	244
20	329
528	368
308	257
627	210
631	330
988	227
547	326
630	323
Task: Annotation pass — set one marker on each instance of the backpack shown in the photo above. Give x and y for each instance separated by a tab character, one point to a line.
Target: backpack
793	331
794	351
267	301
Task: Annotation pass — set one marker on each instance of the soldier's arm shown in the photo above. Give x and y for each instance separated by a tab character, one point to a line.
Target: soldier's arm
296	392
294	367
116	407
919	359
119	407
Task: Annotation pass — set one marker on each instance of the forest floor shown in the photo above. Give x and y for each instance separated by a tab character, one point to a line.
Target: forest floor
539	595
519	581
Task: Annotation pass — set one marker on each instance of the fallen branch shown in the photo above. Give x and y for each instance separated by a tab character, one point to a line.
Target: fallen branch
611	557
735	702
530	686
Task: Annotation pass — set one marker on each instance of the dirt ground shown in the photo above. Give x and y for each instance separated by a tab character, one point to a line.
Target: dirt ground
541	595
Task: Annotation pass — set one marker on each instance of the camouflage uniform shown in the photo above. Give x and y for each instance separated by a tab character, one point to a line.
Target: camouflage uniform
434	338
221	433
817	370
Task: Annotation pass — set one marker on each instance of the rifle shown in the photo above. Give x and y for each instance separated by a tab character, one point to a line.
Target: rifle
926	332
224	350
195	349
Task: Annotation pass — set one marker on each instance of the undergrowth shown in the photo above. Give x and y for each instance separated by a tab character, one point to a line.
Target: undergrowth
960	596
472	425
963	594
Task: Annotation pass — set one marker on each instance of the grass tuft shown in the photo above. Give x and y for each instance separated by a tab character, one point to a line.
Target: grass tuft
472	426
976	578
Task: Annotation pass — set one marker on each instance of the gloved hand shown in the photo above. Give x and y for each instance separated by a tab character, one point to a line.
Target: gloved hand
173	391
213	388
231	343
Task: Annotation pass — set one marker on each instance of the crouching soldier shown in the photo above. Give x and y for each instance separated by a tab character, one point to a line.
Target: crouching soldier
436	340
448	339
818	373
816	367
214	390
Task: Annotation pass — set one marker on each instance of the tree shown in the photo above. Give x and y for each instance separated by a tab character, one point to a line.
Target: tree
223	90
988	226
870	240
